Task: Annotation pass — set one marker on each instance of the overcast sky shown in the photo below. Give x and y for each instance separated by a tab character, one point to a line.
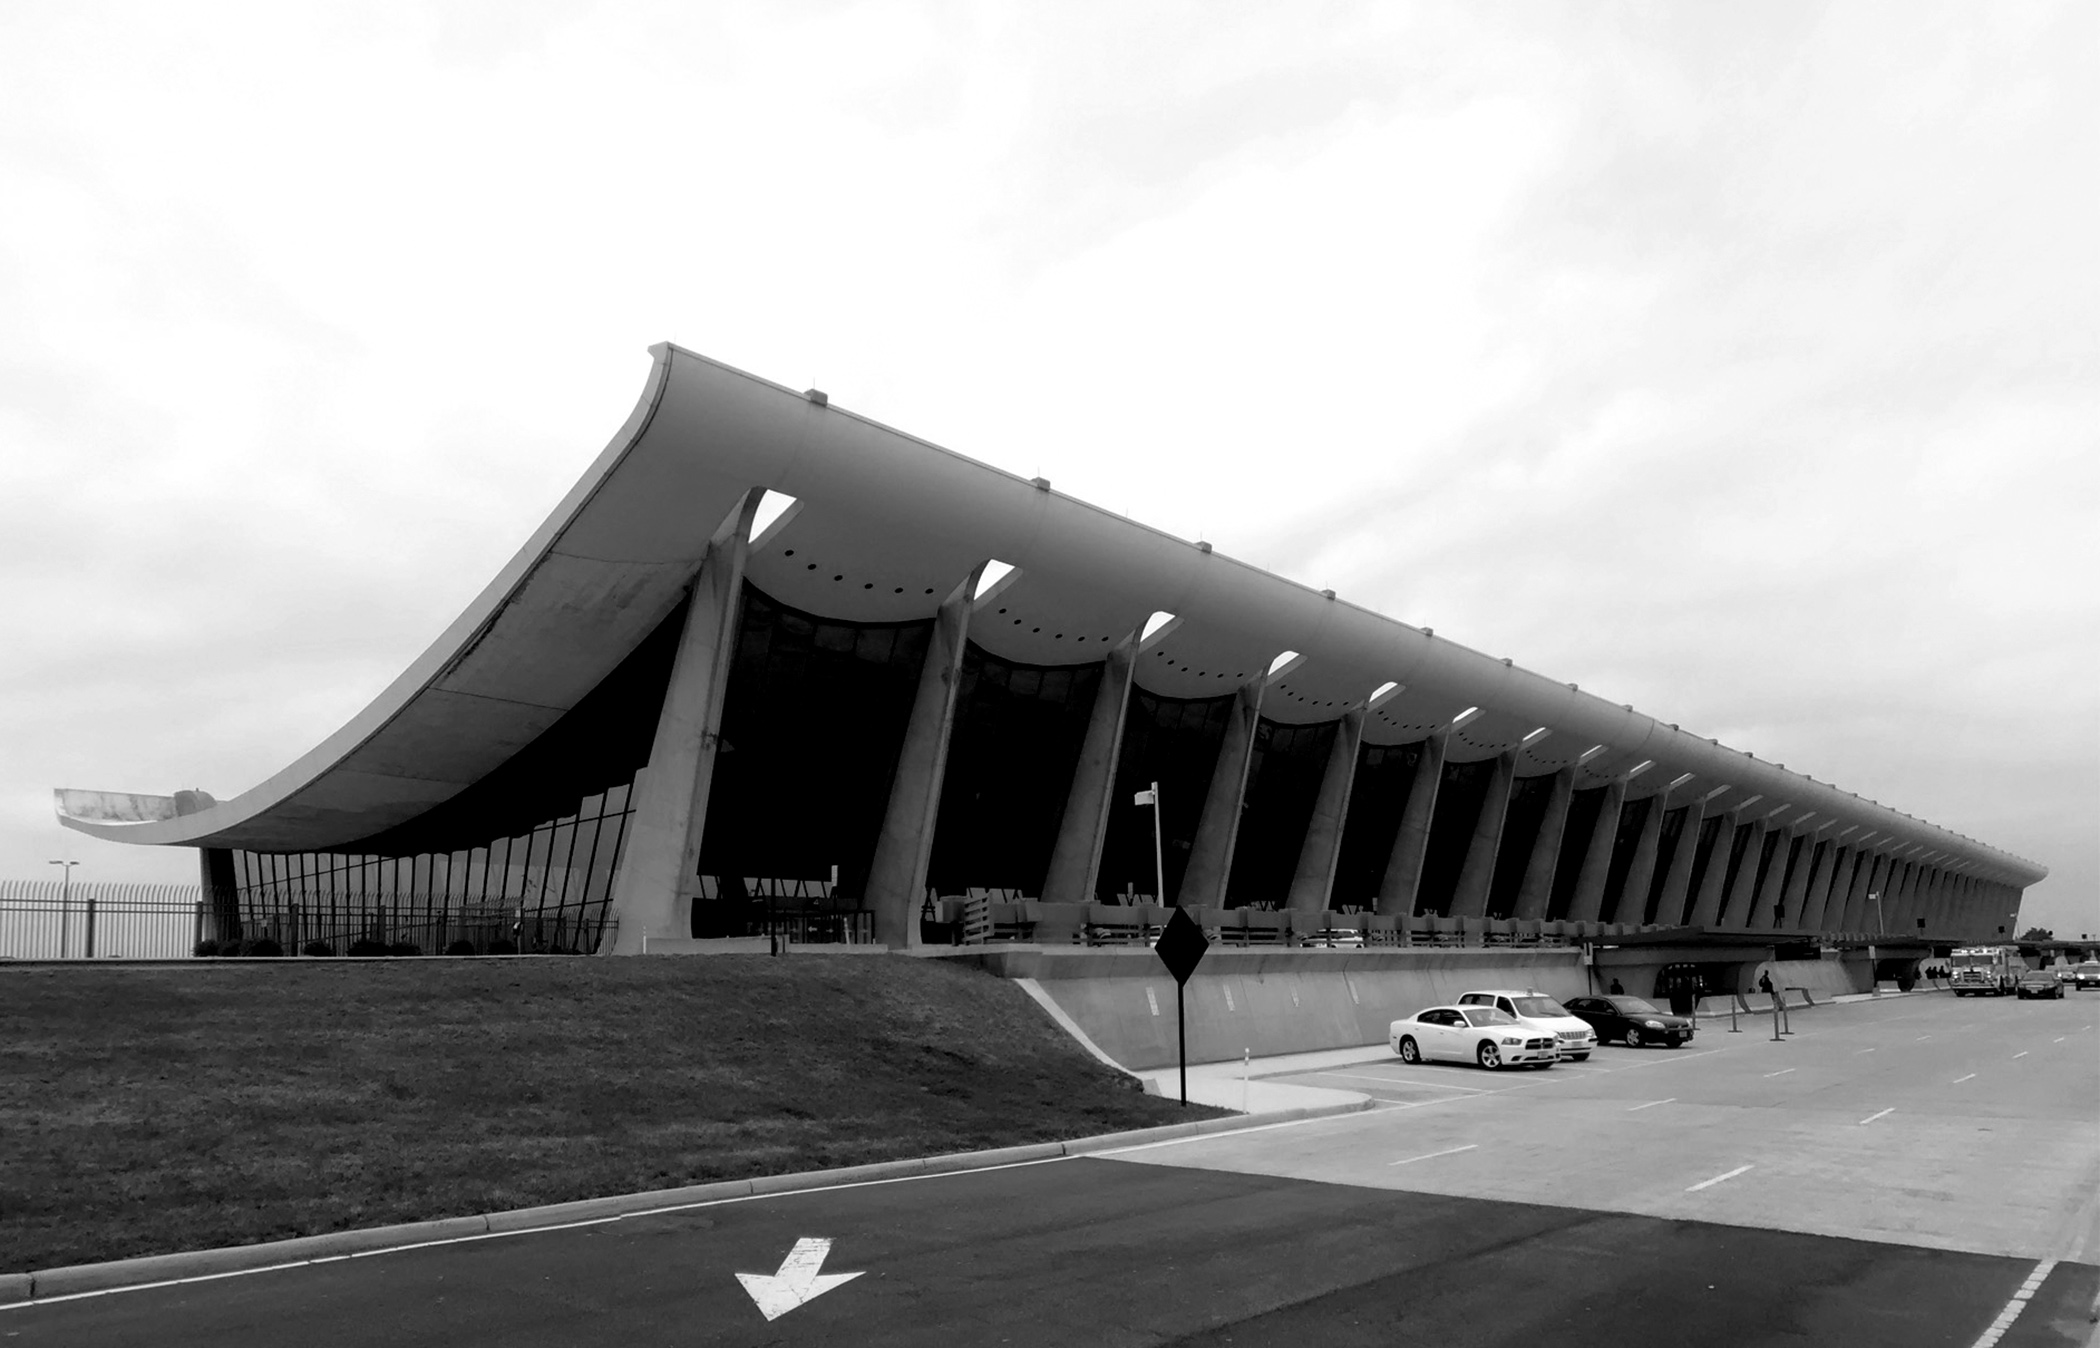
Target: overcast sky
1737	362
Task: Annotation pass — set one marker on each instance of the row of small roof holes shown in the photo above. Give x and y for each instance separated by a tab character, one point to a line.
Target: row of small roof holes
868	585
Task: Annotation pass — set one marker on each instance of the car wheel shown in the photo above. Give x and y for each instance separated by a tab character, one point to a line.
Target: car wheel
1633	1036
1490	1056
1409	1053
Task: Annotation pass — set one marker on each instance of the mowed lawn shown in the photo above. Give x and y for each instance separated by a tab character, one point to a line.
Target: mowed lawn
146	1110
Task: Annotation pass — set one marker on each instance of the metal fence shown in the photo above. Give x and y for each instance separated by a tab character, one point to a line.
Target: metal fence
51	920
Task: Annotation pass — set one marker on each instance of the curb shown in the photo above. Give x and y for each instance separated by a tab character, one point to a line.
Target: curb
147	1270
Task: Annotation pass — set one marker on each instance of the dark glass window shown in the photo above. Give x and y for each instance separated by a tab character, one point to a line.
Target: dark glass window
1521	821
1172	741
1583	810
1018	732
1458	800
1377	800
1626	843
1708	839
1283	785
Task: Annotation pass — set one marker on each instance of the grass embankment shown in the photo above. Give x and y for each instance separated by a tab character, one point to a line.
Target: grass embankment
150	1110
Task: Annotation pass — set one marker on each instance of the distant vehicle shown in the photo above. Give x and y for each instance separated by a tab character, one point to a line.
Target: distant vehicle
2038	983
2086	975
1633	1021
1485	1035
1534	1010
1986	970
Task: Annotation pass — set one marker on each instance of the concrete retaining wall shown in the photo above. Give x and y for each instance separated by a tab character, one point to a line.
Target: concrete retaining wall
1272	1001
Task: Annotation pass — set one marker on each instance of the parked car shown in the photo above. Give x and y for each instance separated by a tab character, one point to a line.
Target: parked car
1633	1021
2038	983
2086	975
1485	1035
1536	1011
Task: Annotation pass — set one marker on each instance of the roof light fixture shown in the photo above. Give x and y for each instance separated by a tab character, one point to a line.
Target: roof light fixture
1465	717
1385	692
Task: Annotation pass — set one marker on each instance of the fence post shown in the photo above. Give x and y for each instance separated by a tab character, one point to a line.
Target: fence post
90	954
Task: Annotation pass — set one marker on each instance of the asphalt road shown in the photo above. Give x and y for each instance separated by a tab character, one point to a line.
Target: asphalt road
1222	1240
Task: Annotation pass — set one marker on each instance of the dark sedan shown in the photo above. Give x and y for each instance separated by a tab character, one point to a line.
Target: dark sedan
2038	983
1631	1020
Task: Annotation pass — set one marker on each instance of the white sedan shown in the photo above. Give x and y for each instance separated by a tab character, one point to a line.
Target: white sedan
1486	1035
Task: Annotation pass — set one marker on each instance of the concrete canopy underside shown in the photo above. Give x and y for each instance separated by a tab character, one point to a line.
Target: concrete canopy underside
884	528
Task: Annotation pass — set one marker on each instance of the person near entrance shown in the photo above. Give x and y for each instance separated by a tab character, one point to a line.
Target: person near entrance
1617	988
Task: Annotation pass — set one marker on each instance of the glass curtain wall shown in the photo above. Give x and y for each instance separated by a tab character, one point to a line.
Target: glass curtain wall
1283	785
1016	741
1459	797
1583	809
1172	741
1377	800
1521	820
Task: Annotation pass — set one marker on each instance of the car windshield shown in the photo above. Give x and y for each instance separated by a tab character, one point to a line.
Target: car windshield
1489	1015
1538	1006
1632	1005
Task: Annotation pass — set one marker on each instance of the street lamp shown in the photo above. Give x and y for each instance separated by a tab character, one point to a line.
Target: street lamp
1879	925
65	897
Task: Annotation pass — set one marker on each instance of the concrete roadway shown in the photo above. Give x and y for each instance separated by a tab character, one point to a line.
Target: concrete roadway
1639	1225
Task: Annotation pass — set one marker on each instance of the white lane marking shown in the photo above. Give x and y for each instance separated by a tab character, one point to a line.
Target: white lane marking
1401	1081
1780	1073
1970	1077
1882	1115
1923	1037
2021	1054
2012	1310
2058	1040
1856	1052
801	1279
1708	1184
1652	1104
1432	1155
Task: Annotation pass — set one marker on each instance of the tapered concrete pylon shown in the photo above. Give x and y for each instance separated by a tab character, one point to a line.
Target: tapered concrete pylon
1797	880
1596	858
1313	881
1536	892
1818	911
1075	859
1218	830
1677	881
1633	899
1403	867
1735	905
897	877
1764	904
660	858
1476	878
1706	903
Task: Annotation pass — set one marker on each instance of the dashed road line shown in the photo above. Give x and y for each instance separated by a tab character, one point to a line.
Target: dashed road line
1882	1115
1970	1077
1923	1037
1652	1104
1780	1073
2059	1039
1432	1155
2017	1304
1856	1052
1708	1184
2021	1054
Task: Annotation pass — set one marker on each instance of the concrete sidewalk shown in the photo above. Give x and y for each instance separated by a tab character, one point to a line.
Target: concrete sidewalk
1240	1085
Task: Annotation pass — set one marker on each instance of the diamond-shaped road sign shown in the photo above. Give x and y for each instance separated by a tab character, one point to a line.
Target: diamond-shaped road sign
1181	945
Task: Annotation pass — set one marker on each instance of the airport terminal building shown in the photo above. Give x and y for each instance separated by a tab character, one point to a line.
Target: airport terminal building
770	655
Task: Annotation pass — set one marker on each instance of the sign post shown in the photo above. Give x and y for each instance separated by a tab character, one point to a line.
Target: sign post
1181	946
1159	864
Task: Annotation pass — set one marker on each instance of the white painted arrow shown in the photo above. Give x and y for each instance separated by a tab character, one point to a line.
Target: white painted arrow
799	1279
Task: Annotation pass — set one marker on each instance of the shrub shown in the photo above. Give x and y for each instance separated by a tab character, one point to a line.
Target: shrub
317	948
460	948
205	949
366	946
404	948
503	946
261	947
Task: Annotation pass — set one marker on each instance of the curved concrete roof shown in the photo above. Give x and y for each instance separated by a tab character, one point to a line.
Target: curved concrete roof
885	526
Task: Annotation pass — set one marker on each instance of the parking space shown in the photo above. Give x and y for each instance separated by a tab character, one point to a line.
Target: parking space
1921	1120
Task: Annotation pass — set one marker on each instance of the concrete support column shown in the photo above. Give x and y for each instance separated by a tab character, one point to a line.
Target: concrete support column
1706	904
1403	869
1596	858
1742	891
1537	891
1815	906
897	877
1764	905
1477	877
1844	882
1796	897
1677	882
652	894
1633	900
1936	883
1313	881
1075	859
1218	831
1851	911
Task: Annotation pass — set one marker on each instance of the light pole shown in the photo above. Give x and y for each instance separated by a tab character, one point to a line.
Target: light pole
1159	863
65	903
